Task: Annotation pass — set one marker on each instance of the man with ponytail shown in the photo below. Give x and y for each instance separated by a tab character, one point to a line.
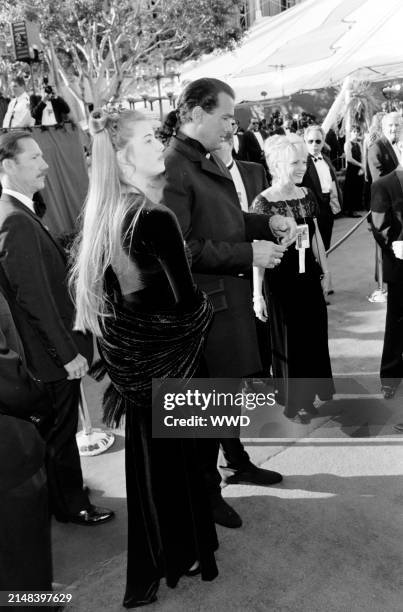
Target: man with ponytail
33	278
224	242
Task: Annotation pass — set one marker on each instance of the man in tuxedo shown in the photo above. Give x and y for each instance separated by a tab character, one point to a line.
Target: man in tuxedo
249	178
237	140
225	242
383	154
387	223
252	144
18	113
320	177
49	108
33	276
25	551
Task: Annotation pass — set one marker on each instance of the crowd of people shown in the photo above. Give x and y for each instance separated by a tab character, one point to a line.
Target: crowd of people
25	110
193	260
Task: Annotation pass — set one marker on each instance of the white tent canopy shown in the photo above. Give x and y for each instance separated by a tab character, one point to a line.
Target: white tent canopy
317	43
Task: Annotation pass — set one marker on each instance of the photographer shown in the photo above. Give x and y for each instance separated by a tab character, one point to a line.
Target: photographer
49	108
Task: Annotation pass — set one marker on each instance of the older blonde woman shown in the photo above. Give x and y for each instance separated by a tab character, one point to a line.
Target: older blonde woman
292	295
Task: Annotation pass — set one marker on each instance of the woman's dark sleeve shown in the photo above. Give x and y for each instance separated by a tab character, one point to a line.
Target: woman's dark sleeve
160	231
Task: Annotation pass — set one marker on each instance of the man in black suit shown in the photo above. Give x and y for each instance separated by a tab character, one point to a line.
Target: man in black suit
201	192
320	177
237	140
49	108
252	143
387	222
383	154
25	551
249	180
33	276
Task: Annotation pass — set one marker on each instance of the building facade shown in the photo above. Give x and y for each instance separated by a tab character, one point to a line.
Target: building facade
253	10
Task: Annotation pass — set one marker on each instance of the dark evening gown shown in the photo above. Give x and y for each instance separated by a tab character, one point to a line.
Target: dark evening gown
169	518
354	183
298	316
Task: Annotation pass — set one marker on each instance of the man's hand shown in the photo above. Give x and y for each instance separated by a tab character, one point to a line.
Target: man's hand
325	282
267	254
77	367
284	228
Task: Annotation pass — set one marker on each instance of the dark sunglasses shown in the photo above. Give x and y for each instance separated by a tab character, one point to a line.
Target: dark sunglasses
314	141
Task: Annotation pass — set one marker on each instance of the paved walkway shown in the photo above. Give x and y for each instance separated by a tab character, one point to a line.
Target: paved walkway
330	537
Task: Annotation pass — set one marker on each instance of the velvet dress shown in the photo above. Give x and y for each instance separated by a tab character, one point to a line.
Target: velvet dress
297	315
170	525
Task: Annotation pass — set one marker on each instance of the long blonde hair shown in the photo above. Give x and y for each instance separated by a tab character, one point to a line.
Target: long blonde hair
104	211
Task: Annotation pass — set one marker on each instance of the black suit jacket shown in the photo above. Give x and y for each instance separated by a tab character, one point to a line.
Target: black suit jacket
387	198
203	196
33	277
60	108
253	177
251	150
381	158
21	448
237	154
311	180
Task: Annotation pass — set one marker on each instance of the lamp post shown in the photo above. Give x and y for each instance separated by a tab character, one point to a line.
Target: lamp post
157	70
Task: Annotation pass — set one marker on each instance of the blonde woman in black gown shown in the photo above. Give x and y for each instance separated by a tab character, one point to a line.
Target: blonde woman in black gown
135	292
291	296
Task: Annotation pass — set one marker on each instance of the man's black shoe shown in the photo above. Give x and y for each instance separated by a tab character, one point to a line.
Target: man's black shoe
255	476
93	516
312	410
388	391
224	515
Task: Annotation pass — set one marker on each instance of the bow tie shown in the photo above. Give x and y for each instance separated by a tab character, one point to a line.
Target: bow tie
315	159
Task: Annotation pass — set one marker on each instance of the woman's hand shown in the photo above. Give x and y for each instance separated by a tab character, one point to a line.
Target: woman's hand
284	228
325	282
260	308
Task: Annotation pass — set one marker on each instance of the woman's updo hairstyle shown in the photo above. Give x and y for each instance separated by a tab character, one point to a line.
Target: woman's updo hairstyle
279	151
118	126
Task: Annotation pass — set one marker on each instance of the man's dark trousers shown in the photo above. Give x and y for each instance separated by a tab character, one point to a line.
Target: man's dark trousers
392	360
63	461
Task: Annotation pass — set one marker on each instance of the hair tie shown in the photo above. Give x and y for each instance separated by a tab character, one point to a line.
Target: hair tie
97	122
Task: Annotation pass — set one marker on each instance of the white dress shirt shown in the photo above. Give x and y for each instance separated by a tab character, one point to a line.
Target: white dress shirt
259	138
324	174
18	113
236	143
48	116
21	198
239	185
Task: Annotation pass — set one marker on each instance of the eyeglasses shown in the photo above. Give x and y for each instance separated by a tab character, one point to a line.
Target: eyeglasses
314	141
